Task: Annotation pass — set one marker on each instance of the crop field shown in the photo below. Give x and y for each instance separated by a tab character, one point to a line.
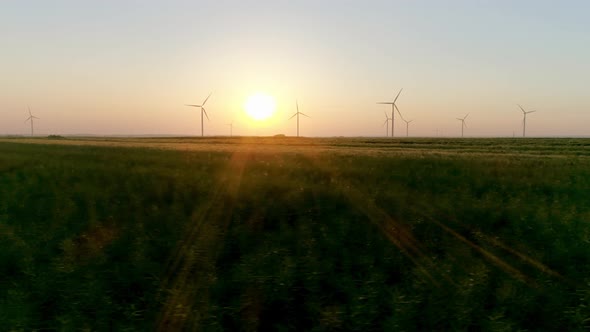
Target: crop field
287	234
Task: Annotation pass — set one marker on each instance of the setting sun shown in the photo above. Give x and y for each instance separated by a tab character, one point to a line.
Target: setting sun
260	106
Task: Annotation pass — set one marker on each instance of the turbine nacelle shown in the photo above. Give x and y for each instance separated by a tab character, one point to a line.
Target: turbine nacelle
297	113
31	116
463	119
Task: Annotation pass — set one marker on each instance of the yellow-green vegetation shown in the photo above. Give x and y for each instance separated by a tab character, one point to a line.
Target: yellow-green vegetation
295	234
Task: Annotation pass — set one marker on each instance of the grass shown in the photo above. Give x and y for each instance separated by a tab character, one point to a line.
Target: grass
285	234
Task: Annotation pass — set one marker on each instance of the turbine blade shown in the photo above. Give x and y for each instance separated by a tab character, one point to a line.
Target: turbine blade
521	108
459	119
293	116
531	111
297	105
304	115
400	91
466	116
192	105
384	123
398	112
206	99
204	111
385	103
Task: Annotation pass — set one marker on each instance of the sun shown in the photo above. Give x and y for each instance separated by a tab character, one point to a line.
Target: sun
260	106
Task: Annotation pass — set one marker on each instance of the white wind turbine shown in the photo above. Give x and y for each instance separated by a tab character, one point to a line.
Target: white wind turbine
407	122
463	125
392	110
407	127
524	113
297	114
386	124
202	111
30	118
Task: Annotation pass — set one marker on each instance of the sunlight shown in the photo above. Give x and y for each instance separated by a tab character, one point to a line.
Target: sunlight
260	106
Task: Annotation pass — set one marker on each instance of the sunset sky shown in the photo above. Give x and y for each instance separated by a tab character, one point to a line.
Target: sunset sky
128	67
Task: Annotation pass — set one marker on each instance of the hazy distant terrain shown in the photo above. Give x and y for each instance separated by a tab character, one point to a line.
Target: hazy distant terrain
294	234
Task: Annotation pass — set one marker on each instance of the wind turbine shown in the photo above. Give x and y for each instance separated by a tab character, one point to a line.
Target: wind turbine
231	128
202	111
392	109
30	118
407	122
524	119
463	125
407	126
386	123
297	114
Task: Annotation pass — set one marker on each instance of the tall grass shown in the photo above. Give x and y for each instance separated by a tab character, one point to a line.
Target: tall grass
106	238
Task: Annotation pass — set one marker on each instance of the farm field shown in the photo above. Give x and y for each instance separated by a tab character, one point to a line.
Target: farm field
273	233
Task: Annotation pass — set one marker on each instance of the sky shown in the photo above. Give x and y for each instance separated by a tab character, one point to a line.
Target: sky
129	67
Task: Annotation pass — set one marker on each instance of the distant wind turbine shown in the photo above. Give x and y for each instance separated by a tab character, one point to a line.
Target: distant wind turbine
30	118
403	119
524	119
202	111
392	110
407	122
386	124
408	127
297	114
463	125
231	128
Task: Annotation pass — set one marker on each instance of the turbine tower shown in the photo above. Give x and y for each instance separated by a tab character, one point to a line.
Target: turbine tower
392	110
203	111
231	128
463	125
297	114
386	124
524	113
30	118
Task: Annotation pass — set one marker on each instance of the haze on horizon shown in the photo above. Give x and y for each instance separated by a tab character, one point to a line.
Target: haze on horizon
128	67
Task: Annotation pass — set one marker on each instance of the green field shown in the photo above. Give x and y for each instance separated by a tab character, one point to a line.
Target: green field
290	234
